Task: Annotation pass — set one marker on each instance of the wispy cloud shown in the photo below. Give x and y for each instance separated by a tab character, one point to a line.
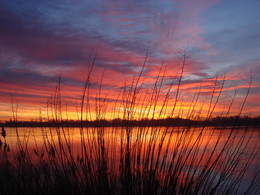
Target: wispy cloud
41	40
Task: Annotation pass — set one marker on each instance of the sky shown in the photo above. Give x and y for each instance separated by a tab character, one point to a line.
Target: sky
41	41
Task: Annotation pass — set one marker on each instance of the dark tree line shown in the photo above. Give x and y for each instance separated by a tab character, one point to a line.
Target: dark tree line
216	121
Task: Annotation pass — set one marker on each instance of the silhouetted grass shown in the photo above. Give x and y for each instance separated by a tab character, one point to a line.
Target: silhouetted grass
149	159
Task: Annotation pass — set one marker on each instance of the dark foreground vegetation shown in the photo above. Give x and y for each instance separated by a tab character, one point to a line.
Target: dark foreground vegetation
133	155
128	160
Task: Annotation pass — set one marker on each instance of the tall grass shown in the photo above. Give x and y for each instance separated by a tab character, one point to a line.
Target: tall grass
166	159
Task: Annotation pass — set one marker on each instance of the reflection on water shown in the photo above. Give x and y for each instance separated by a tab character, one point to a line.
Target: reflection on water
166	159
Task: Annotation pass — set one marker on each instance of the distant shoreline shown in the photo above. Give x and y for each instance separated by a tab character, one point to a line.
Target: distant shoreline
168	122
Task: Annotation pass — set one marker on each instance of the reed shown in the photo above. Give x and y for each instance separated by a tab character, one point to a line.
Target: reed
127	159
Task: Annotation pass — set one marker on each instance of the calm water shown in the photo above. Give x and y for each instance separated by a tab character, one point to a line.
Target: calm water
191	154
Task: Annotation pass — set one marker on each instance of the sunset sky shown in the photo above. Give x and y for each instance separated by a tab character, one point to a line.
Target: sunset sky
42	40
